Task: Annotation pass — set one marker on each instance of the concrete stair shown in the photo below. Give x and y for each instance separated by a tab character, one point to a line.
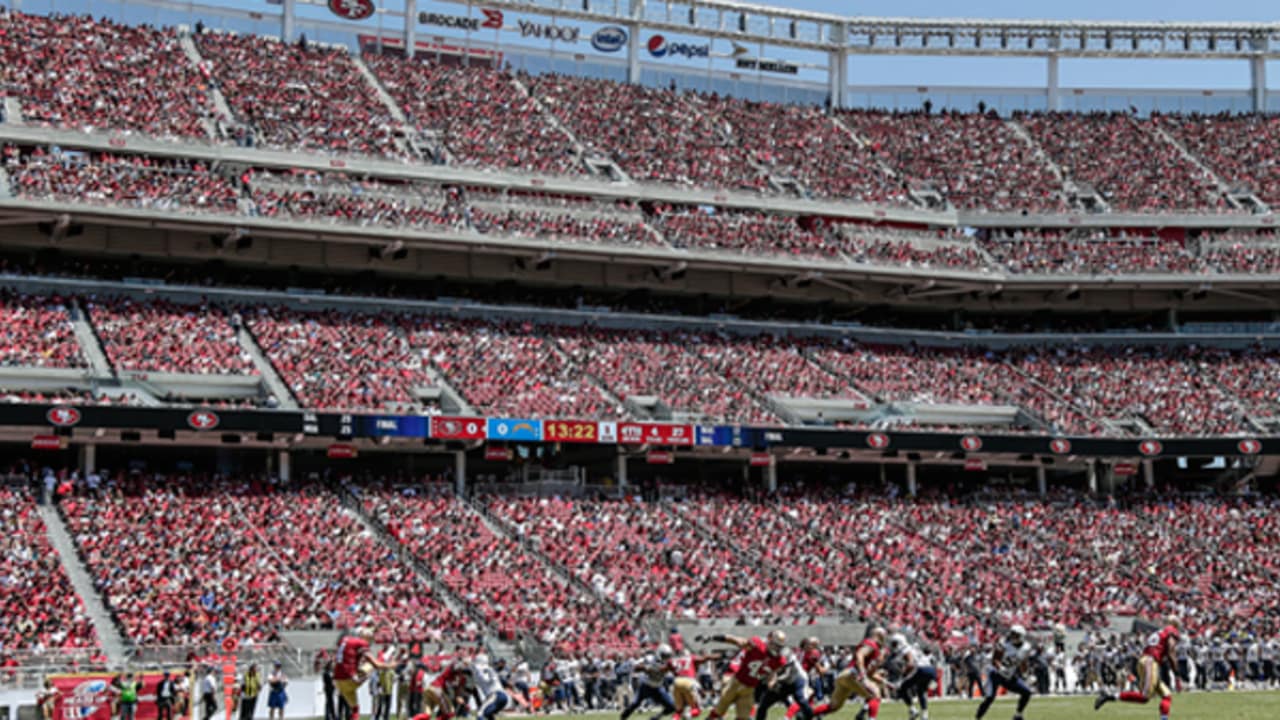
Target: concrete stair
89	342
501	529
113	643
387	101
351	500
275	384
215	95
13	111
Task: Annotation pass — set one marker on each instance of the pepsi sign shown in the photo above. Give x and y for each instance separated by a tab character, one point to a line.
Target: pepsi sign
659	48
609	39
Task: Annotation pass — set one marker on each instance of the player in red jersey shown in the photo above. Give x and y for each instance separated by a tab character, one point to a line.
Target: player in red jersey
352	664
758	662
684	666
1160	651
863	677
446	691
814	665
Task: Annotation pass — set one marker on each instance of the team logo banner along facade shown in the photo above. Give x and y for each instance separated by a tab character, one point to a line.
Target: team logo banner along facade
515	429
87	696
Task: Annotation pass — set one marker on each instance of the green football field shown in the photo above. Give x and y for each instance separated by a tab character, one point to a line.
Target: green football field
1188	706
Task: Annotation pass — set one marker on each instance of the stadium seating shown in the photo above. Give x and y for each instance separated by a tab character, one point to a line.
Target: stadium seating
1099	253
514	591
1133	169
39	608
355	578
131	181
510	369
647	558
976	160
662	365
298	96
484	119
751	233
188	560
79	73
1239	148
37	332
340	360
1166	388
160	336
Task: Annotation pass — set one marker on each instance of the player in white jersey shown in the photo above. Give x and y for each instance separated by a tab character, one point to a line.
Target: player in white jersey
1008	663
918	673
486	682
652	673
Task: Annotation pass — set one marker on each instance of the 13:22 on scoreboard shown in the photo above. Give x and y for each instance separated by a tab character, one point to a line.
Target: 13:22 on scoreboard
569	431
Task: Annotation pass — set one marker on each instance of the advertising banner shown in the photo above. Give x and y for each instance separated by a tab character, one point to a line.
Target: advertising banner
88	696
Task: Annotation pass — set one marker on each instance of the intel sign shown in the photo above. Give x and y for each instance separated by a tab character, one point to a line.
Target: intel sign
609	39
659	47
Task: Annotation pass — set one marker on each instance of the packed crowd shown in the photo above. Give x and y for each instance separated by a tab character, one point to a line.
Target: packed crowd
162	336
79	72
974	159
665	366
37	332
193	559
648	558
189	559
1125	161
515	592
747	232
1171	390
76	72
340	360
802	144
1098	252
39	608
1239	148
299	95
353	576
547	224
131	181
481	115
667	138
347	360
510	369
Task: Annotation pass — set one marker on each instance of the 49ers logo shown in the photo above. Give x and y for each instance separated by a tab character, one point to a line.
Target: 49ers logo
971	443
203	420
878	441
351	9
1249	447
1061	446
63	416
1150	447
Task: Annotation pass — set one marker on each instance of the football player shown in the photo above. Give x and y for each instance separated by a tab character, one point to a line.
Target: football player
1160	650
652	670
918	673
863	678
353	662
1008	663
758	662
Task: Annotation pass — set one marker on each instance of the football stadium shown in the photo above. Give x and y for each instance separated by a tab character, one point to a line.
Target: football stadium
423	359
